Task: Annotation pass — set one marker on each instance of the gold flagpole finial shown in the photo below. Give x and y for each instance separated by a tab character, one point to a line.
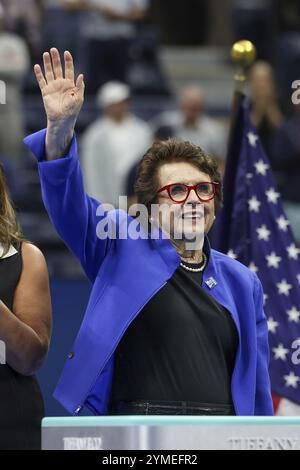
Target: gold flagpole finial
243	54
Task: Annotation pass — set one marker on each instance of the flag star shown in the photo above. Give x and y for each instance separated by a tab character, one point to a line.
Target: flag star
294	315
273	260
232	254
261	167
253	268
283	223
265	298
284	287
298	278
254	204
293	251
280	352
252	138
272	325
291	380
272	195
263	233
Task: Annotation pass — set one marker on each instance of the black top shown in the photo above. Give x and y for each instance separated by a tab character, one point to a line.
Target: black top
21	403
181	347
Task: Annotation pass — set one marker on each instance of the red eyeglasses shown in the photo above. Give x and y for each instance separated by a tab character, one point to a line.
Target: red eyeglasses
180	192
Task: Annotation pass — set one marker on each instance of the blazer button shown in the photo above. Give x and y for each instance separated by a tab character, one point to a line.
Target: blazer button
70	355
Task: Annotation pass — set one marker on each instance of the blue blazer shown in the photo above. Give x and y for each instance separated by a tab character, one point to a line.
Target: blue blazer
126	274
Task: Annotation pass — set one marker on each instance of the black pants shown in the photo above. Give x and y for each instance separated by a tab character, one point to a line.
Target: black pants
21	411
143	407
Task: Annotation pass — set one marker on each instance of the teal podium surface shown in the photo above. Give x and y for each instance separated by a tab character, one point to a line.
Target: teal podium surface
171	433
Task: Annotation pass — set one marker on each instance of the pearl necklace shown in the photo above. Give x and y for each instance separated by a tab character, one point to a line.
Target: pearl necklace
195	270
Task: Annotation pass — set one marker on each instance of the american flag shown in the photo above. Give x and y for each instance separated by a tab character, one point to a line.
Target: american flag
254	229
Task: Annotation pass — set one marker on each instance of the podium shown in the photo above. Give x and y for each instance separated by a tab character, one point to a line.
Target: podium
171	433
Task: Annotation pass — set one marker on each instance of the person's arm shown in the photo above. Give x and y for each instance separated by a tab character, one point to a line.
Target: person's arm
63	99
74	5
136	14
274	115
26	330
263	397
71	210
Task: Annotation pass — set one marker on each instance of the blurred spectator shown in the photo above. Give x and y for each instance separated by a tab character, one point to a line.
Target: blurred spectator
24	18
286	151
112	144
192	124
61	28
183	23
266	113
146	75
108	29
14	63
253	20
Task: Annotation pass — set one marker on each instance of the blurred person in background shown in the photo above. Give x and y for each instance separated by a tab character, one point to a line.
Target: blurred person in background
286	153
108	28
190	123
14	64
183	24
61	25
266	113
25	329
24	18
112	144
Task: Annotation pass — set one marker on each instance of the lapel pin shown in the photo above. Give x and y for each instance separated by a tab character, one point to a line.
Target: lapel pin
211	283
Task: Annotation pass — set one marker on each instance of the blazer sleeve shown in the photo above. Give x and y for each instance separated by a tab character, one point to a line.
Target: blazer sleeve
72	212
263	396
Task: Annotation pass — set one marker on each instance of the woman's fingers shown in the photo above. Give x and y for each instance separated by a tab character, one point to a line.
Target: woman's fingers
53	69
69	66
40	77
80	81
56	62
48	67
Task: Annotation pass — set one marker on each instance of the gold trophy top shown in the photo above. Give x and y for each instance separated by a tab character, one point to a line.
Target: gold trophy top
243	53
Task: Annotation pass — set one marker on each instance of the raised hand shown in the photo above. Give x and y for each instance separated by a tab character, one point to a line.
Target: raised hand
63	98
